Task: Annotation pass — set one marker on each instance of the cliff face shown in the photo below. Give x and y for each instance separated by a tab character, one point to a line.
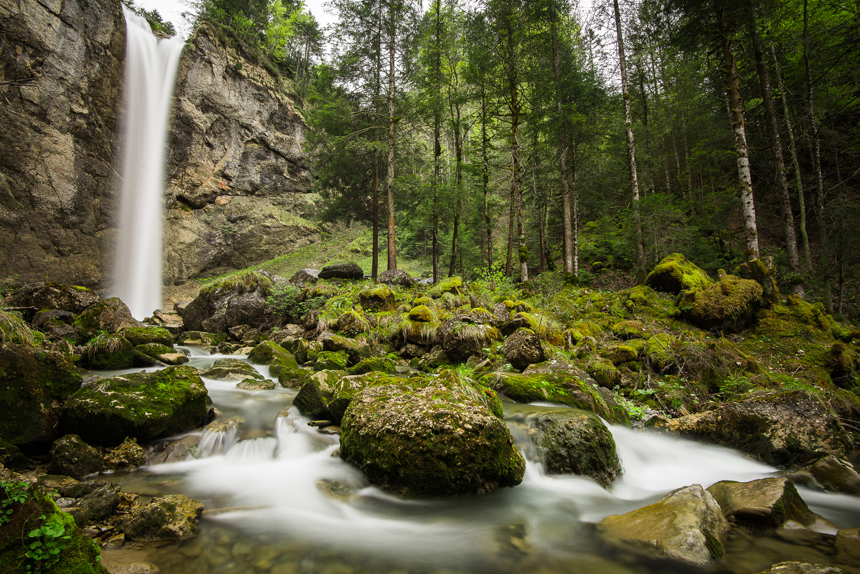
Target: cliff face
60	76
237	178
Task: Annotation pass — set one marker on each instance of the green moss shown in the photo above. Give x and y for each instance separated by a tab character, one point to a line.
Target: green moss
272	354
144	335
353	322
544	327
109	352
729	305
331	360
604	372
242	281
453	285
422	314
675	274
378	298
371	364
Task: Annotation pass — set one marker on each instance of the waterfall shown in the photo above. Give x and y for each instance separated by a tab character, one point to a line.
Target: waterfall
150	72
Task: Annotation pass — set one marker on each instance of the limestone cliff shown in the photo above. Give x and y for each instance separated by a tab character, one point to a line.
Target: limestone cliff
60	76
237	178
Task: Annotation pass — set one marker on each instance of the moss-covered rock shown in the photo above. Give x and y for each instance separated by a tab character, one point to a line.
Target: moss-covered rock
575	442
33	385
231	370
378	298
628	329
659	352
152	354
686	525
272	354
238	299
581	331
544	327
675	274
71	456
352	323
199	339
729	305
453	285
767	502
109	352
331	361
618	354
144	406
173	517
144	335
374	364
127	456
355	349
604	372
108	316
51	295
523	348
256	385
422	314
765	276
429	437
314	396
460	340
11	456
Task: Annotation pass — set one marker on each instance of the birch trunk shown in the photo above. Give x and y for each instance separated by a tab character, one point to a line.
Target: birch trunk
567	238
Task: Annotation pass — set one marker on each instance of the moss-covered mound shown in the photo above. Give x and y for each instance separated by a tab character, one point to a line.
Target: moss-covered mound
36	526
144	406
272	354
728	305
107	316
430	436
108	353
144	335
675	273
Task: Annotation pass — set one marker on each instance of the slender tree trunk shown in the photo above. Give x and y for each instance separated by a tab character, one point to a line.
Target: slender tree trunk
567	238
736	113
574	195
458	182
389	184
374	269
437	144
631	151
784	194
824	269
509	264
485	179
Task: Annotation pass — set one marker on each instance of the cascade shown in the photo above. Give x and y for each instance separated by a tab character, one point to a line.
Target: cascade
150	73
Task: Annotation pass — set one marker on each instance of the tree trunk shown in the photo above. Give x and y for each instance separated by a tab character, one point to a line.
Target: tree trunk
374	266
824	270
392	38
567	238
485	179
631	151
437	144
458	182
784	195
736	115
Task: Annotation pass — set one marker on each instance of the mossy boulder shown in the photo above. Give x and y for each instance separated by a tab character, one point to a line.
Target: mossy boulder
604	372
686	524
581	331
544	327
272	354
618	354
199	339
759	271
144	335
729	305
50	295
767	502
396	277
675	273
235	300
33	385
250	384
152	354
628	329
575	442
374	364
352	323
11	456
109	353
80	554
314	396
355	349
173	517
660	351
433	436
71	456
378	298
523	348
144	406
453	285
422	314
342	271
331	361
108	316
96	500
780	428
460	339
231	370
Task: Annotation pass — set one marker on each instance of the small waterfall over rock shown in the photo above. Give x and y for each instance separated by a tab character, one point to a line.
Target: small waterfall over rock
150	74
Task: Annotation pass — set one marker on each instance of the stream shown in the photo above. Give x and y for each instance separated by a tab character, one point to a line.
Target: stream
279	501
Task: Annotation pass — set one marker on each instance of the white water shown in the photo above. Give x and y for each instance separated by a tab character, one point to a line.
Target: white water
150	73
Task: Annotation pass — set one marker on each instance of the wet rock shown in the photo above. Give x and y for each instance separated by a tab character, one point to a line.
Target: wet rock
803	568
276	357
431	436
173	517
686	525
234	301
768	502
356	350
231	370
304	276
835	474
73	457
98	504
783	428
575	442
149	355
848	545
675	273
199	339
523	348
342	271
312	399
144	406
177	451
256	385
127	456
396	277
462	339
55	323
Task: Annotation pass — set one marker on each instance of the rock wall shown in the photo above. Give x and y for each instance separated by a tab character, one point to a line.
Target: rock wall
237	177
60	76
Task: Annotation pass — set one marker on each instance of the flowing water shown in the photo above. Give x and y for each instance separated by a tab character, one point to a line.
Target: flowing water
280	501
150	74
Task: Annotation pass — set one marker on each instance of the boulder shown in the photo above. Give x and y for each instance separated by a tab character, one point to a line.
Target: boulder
396	277
523	348
378	298
173	517
11	457
108	316
231	370
836	475
52	296
452	285
73	457
374	364
256	385
127	456
675	274
95	500
304	276
145	335
848	545
433	436
803	568
238	300
686	525
767	502
56	324
33	385
342	271
276	357
462	339
783	428
574	442
156	354
199	339
355	349
331	361
728	305
143	405
109	353
312	399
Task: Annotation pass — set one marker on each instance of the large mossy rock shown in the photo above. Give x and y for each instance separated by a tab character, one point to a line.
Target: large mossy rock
71	456
143	406
49	295
109	352
355	349
783	428
463	337
729	305
675	274
523	348
686	525
238	300
108	316
33	385
377	298
767	502
430	436
574	442
396	277
276	357
173	517
230	370
342	271
146	335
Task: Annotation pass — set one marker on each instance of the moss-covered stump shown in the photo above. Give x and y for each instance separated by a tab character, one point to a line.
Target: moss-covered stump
231	370
33	383
783	428
143	335
729	305
109	353
836	475
768	502
562	384
686	525
803	568
523	348
144	406
430	437
675	274
378	298
765	276
575	442
173	517
36	511
71	456
108	316
272	354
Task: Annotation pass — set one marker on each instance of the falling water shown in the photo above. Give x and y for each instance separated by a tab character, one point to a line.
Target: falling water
150	73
